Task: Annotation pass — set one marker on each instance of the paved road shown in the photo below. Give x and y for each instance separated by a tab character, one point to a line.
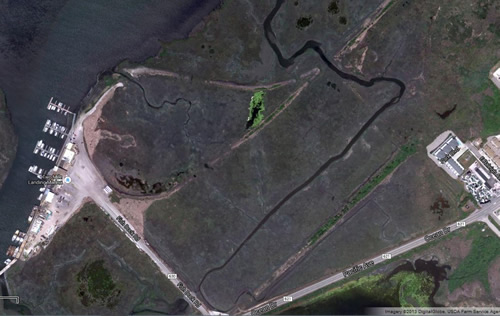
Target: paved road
87	179
89	183
480	215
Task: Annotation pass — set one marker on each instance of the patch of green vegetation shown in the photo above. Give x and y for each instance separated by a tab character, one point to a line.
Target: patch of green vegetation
256	109
304	22
405	289
481	9
458	30
110	80
485	248
468	197
414	288
333	7
490	113
405	152
495	29
97	285
114	198
387	7
365	276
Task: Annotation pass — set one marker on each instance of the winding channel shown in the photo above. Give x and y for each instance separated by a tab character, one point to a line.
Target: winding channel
287	62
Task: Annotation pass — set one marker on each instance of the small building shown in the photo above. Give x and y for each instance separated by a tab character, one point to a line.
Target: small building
36	226
68	155
455	166
107	190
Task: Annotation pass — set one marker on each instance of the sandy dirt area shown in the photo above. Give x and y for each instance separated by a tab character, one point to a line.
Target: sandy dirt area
141	71
91	134
134	210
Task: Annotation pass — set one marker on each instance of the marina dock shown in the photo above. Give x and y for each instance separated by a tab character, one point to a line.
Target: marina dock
55	129
46	151
59	107
38	172
40	213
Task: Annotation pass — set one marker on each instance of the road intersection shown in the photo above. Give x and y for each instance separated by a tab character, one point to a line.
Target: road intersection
89	183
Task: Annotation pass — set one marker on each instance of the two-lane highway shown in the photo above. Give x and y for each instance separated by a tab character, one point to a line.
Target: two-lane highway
89	183
480	215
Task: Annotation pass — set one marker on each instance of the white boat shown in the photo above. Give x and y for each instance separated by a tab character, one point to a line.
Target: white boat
40	197
53	158
51	131
56	133
35	151
7	261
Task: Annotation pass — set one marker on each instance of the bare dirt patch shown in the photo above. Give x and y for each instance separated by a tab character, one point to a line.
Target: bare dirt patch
92	134
133	210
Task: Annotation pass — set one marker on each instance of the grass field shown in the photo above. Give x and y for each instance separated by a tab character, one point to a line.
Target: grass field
414	288
403	289
407	288
405	152
91	267
490	112
485	249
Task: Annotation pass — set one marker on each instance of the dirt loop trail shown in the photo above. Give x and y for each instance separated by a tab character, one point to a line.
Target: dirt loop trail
287	62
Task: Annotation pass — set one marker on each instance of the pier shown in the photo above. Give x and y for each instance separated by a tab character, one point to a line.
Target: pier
38	172
55	129
46	151
7	267
55	105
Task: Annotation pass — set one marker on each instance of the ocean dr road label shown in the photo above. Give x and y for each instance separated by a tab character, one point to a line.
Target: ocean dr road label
172	276
438	234
264	309
386	256
287	299
188	294
358	268
460	224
